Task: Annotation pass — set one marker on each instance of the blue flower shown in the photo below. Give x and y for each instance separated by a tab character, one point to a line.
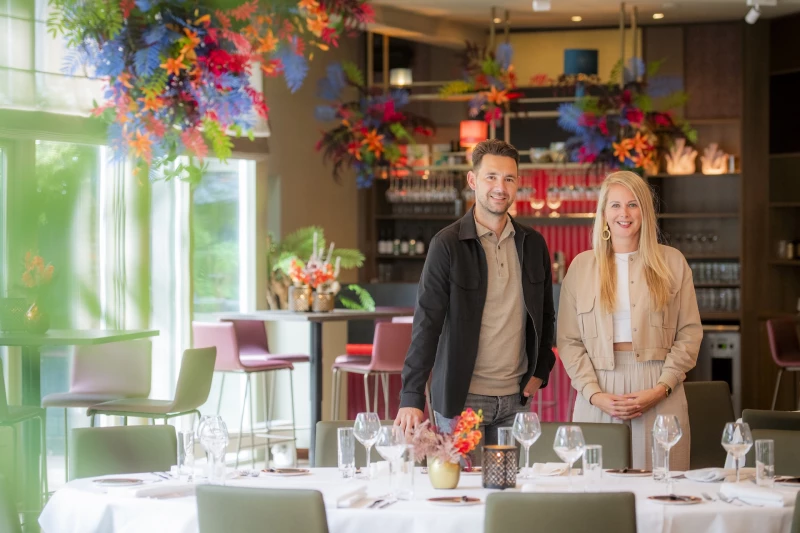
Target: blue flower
504	54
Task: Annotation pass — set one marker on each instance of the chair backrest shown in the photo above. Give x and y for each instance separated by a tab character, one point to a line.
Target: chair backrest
784	344
9	517
248	510
222	336
509	512
796	517
759	419
614	438
121	450
390	346
194	379
787	460
251	336
120	368
326	447
710	408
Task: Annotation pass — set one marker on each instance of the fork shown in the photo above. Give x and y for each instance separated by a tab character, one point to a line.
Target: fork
728	499
706	497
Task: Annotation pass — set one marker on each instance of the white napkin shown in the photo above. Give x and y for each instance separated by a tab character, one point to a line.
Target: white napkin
154	490
549	469
707	475
758	495
350	497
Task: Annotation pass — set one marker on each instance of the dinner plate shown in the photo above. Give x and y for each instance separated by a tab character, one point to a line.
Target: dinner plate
455	500
286	472
476	471
787	481
629	472
674	499
118	481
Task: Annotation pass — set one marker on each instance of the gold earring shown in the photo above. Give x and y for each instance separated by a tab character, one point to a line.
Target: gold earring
606	233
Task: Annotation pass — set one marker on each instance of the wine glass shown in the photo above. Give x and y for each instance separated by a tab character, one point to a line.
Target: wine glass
390	444
569	445
667	432
214	438
527	430
737	440
366	430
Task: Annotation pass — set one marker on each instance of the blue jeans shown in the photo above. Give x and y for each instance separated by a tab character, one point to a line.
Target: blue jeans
498	411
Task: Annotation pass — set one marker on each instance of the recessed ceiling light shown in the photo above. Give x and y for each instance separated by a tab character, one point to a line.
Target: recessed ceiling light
576	18
658	16
497	20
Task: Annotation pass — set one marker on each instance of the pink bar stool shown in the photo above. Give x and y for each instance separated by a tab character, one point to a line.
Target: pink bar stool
231	357
784	345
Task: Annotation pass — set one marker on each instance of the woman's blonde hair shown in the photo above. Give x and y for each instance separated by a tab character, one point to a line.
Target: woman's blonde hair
657	273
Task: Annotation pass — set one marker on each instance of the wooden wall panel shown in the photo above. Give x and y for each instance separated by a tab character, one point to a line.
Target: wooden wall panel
713	70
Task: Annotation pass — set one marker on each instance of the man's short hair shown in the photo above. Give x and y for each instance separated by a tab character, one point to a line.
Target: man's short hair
493	147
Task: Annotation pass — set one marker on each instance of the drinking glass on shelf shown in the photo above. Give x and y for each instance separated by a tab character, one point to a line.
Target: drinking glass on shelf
365	429
737	440
569	445
553	200
527	430
537	204
667	432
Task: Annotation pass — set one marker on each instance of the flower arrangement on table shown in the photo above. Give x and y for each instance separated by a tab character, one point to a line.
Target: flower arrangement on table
433	444
36	276
619	127
370	130
179	73
490	75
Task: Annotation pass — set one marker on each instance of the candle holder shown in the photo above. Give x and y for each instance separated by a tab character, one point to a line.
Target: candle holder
500	464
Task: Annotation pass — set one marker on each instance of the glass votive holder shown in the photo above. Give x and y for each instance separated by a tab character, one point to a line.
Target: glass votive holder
499	467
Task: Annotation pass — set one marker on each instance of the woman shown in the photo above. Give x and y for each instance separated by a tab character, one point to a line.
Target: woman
628	323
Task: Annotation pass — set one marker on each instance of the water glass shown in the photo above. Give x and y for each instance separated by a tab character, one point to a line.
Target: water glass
765	462
659	461
505	437
403	480
737	441
347	452
592	464
186	455
569	445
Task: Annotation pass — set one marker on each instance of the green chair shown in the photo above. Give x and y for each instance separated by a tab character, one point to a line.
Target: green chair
615	439
326	447
9	517
247	510
710	408
787	444
194	384
758	419
509	512
796	517
122	450
11	416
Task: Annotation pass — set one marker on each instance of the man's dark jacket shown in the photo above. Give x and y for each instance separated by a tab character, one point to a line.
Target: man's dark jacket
447	319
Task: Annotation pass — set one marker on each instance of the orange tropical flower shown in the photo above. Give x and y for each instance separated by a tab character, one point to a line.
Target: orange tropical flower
621	151
267	44
173	66
640	143
497	97
308	4
374	142
124	79
316	25
141	145
152	104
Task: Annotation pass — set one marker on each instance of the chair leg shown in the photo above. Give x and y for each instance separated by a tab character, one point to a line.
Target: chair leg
221	387
266	417
43	437
124	420
777	387
272	399
294	422
385	385
335	397
366	391
252	431
92	420
241	421
66	447
375	393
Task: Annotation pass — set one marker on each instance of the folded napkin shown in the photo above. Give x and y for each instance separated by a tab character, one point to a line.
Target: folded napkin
758	495
348	498
154	490
549	469
707	475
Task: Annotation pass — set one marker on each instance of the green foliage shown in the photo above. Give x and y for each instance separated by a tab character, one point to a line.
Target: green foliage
365	300
616	73
653	67
400	132
350	258
643	102
220	143
689	132
71	18
353	73
456	87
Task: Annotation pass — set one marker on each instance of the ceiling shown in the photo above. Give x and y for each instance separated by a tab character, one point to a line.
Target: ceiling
593	12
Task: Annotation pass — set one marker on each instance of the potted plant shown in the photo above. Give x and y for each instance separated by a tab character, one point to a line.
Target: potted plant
444	451
35	279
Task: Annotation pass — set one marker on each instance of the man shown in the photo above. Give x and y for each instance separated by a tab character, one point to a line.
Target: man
484	318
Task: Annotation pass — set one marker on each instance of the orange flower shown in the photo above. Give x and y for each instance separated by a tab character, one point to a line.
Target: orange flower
267	44
124	79
141	145
151	104
173	66
316	25
640	143
497	97
621	151
308	4
374	142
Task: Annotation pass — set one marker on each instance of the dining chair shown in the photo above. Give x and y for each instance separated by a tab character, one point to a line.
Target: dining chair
9	516
326	447
710	408
13	415
509	512
796	516
235	358
762	419
194	384
122	450
101	373
390	345
614	438
250	510
784	346
787	444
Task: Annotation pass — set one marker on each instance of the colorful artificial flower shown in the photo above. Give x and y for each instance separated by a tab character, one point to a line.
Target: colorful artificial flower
429	442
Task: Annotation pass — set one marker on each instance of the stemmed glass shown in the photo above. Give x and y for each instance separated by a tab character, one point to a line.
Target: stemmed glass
390	444
213	435
737	440
569	445
527	430
366	430
667	432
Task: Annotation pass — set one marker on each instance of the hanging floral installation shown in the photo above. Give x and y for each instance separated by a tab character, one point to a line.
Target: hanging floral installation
370	129
179	72
491	76
619	127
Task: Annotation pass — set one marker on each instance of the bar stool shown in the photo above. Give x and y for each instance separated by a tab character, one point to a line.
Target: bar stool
230	358
784	345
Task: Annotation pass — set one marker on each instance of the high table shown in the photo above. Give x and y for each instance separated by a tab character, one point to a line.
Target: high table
82	507
31	382
316	320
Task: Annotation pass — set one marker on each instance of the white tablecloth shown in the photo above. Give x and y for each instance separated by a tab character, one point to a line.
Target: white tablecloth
82	507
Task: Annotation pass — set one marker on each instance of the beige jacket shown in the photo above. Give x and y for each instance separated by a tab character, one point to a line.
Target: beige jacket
585	330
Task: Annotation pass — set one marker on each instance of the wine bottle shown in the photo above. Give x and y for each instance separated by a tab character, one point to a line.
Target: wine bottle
420	244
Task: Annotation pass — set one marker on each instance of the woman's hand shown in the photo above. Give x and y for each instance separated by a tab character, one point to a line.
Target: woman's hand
646	399
616	406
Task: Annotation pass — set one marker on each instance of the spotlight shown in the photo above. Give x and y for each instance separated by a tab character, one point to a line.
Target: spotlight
541	5
576	18
658	16
752	15
497	20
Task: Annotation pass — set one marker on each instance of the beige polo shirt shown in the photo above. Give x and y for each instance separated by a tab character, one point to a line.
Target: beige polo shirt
501	358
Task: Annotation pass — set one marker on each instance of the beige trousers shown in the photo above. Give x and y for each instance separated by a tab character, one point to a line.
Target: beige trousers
629	376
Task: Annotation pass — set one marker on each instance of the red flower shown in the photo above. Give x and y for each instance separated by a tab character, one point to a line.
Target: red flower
634	116
218	61
626	97
662	119
603	125
587	119
365	15
329	36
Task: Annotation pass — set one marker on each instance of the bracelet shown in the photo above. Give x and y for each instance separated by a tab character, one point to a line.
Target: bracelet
592	396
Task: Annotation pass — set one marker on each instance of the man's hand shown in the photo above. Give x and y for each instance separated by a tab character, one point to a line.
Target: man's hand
408	418
532	387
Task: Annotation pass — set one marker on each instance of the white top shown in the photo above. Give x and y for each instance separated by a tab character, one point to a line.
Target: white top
622	308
